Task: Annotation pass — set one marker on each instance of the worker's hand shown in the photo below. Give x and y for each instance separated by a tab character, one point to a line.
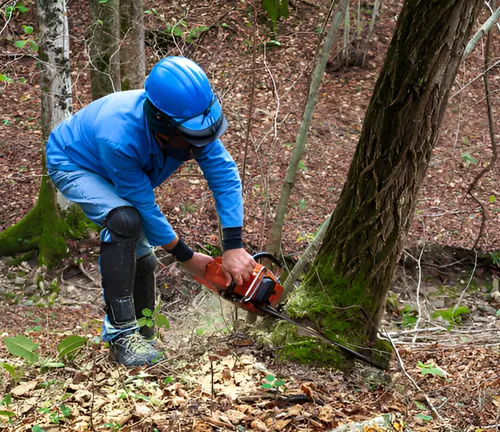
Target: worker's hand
197	265
237	265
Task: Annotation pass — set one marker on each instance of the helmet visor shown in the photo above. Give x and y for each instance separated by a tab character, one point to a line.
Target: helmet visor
198	130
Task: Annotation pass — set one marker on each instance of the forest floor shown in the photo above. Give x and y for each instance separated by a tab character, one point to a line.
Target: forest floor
202	346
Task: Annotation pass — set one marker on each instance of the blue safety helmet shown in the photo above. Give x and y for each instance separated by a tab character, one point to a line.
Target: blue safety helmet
180	101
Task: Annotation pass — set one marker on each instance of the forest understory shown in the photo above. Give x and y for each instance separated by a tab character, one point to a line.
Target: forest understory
442	311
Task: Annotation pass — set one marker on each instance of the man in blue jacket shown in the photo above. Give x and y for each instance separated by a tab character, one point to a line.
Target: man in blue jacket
109	157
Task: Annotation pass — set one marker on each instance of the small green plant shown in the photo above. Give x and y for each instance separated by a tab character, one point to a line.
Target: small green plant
17	373
275	10
495	257
66	411
195	33
212	250
302	166
175	29
114	426
424	417
37	428
431	369
468	159
452	315
6	413
187	208
71	345
273	383
49	363
7	400
151	318
409	316
21	346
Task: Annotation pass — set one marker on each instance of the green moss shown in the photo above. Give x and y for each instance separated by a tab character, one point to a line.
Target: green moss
21	258
77	224
42	229
338	308
305	349
52	245
125	85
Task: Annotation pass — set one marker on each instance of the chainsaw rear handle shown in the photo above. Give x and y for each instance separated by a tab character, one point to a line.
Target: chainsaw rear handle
257	257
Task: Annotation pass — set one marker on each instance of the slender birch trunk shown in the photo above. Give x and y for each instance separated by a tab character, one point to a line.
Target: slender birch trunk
43	229
274	244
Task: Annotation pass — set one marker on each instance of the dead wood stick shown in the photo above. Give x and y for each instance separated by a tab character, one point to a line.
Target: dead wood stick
217	423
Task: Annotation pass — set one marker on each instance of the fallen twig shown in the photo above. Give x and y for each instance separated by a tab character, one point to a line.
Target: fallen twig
295	399
218	423
402	366
468	284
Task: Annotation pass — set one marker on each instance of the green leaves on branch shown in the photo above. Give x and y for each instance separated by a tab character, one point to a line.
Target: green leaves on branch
30	42
10	10
180	29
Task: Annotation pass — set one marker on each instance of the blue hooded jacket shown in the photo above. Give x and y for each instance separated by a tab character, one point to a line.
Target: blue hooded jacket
110	137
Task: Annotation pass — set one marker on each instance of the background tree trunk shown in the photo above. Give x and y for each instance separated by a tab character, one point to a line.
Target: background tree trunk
104	47
132	58
42	228
274	244
356	263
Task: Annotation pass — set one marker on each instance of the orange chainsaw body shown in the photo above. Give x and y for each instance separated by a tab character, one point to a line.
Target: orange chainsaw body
263	288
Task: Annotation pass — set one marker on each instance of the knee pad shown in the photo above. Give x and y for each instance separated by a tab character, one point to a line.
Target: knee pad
124	223
146	264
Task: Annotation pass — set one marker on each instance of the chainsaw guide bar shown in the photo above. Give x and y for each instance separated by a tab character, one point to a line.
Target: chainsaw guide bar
261	295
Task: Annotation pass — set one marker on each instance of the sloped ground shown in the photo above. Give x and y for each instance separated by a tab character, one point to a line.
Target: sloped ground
214	378
177	394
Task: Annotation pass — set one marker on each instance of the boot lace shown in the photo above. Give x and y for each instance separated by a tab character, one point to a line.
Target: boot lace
136	344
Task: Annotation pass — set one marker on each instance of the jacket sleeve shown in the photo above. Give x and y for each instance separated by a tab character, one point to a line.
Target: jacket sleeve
224	181
134	186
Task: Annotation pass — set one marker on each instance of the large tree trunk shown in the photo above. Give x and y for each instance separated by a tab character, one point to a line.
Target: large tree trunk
104	47
363	243
42	228
132	58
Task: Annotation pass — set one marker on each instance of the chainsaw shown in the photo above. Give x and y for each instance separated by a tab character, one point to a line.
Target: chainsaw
261	295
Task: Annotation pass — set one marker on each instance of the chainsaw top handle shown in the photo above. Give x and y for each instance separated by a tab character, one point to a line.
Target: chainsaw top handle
256	257
269	256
